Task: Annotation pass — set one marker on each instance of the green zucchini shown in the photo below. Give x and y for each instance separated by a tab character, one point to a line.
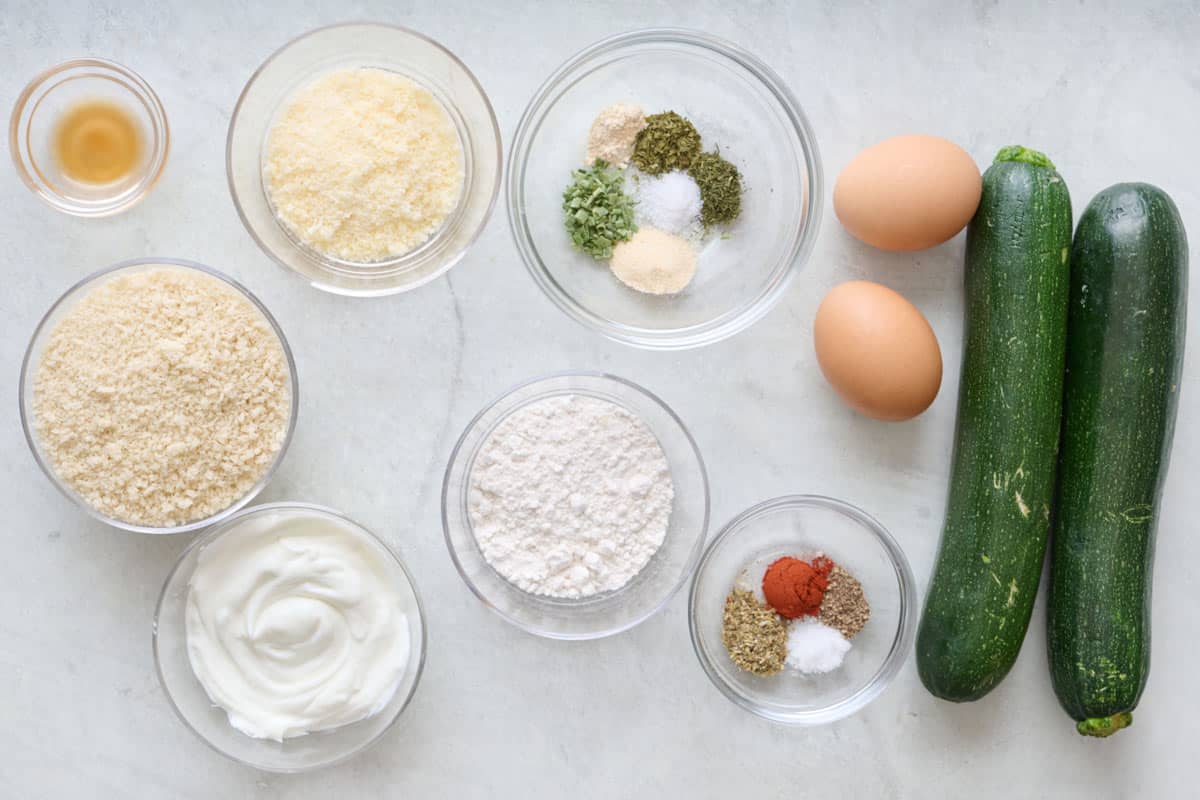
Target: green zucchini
1124	355
1006	443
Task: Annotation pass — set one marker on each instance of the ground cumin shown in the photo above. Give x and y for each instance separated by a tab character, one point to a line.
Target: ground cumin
845	606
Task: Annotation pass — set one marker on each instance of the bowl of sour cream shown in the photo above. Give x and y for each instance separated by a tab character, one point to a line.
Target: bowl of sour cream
289	637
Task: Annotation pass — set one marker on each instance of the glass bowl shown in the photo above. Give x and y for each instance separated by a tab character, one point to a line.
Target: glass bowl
192	704
610	612
41	336
800	525
38	110
365	45
738	104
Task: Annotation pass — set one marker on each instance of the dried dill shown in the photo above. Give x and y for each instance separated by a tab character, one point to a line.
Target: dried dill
668	142
720	188
754	635
597	212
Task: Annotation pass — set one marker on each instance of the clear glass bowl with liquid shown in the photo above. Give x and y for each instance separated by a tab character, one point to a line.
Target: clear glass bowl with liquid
52	94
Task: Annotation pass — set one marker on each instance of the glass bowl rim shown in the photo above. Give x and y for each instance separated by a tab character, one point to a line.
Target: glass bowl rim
902	640
383	291
26	413
129	80
720	327
694	557
223	528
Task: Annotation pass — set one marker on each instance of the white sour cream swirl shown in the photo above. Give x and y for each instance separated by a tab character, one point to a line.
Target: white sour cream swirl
296	624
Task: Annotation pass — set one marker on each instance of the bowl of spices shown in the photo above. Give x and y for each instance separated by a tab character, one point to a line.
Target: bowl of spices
89	137
664	188
364	157
159	395
575	505
289	637
803	610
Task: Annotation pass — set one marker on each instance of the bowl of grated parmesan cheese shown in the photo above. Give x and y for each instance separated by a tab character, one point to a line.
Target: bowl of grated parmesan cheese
364	157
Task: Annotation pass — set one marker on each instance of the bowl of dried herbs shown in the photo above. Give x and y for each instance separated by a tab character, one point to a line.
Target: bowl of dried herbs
664	188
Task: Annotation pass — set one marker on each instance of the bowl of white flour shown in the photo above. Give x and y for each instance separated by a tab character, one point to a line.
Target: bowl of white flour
575	505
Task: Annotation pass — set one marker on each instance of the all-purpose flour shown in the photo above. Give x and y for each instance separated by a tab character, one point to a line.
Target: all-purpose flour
570	496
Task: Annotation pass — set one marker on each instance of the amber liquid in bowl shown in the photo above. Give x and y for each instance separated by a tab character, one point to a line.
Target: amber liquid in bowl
97	141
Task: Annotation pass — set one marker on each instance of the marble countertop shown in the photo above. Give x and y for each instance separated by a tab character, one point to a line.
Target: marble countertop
1112	90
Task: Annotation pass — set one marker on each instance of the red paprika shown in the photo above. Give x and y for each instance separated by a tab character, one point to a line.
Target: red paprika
794	587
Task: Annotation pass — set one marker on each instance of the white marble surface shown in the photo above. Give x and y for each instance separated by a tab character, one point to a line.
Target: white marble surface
1111	90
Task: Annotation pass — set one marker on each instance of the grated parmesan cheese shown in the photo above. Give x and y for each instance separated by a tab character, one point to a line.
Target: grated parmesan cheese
161	397
363	165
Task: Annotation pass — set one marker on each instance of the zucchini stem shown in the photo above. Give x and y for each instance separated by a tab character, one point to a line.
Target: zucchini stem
1105	726
1015	152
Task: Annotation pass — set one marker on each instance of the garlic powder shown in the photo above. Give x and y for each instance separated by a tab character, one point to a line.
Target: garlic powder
614	133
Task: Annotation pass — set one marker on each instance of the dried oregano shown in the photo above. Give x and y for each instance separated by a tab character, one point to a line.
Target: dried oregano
754	635
668	142
598	213
720	188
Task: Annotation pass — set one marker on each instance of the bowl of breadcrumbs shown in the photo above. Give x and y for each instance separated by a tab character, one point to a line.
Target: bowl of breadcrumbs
159	395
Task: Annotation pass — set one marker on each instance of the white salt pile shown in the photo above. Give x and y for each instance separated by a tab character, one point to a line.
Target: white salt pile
669	202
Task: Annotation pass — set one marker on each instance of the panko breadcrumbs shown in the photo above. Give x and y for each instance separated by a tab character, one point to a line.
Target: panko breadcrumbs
161	397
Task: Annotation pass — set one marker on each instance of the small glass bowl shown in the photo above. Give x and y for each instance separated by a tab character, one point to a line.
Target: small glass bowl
741	107
40	107
41	336
802	525
192	704
388	47
611	612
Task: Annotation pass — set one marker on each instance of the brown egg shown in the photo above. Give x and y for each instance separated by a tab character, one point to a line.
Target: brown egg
908	192
877	351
